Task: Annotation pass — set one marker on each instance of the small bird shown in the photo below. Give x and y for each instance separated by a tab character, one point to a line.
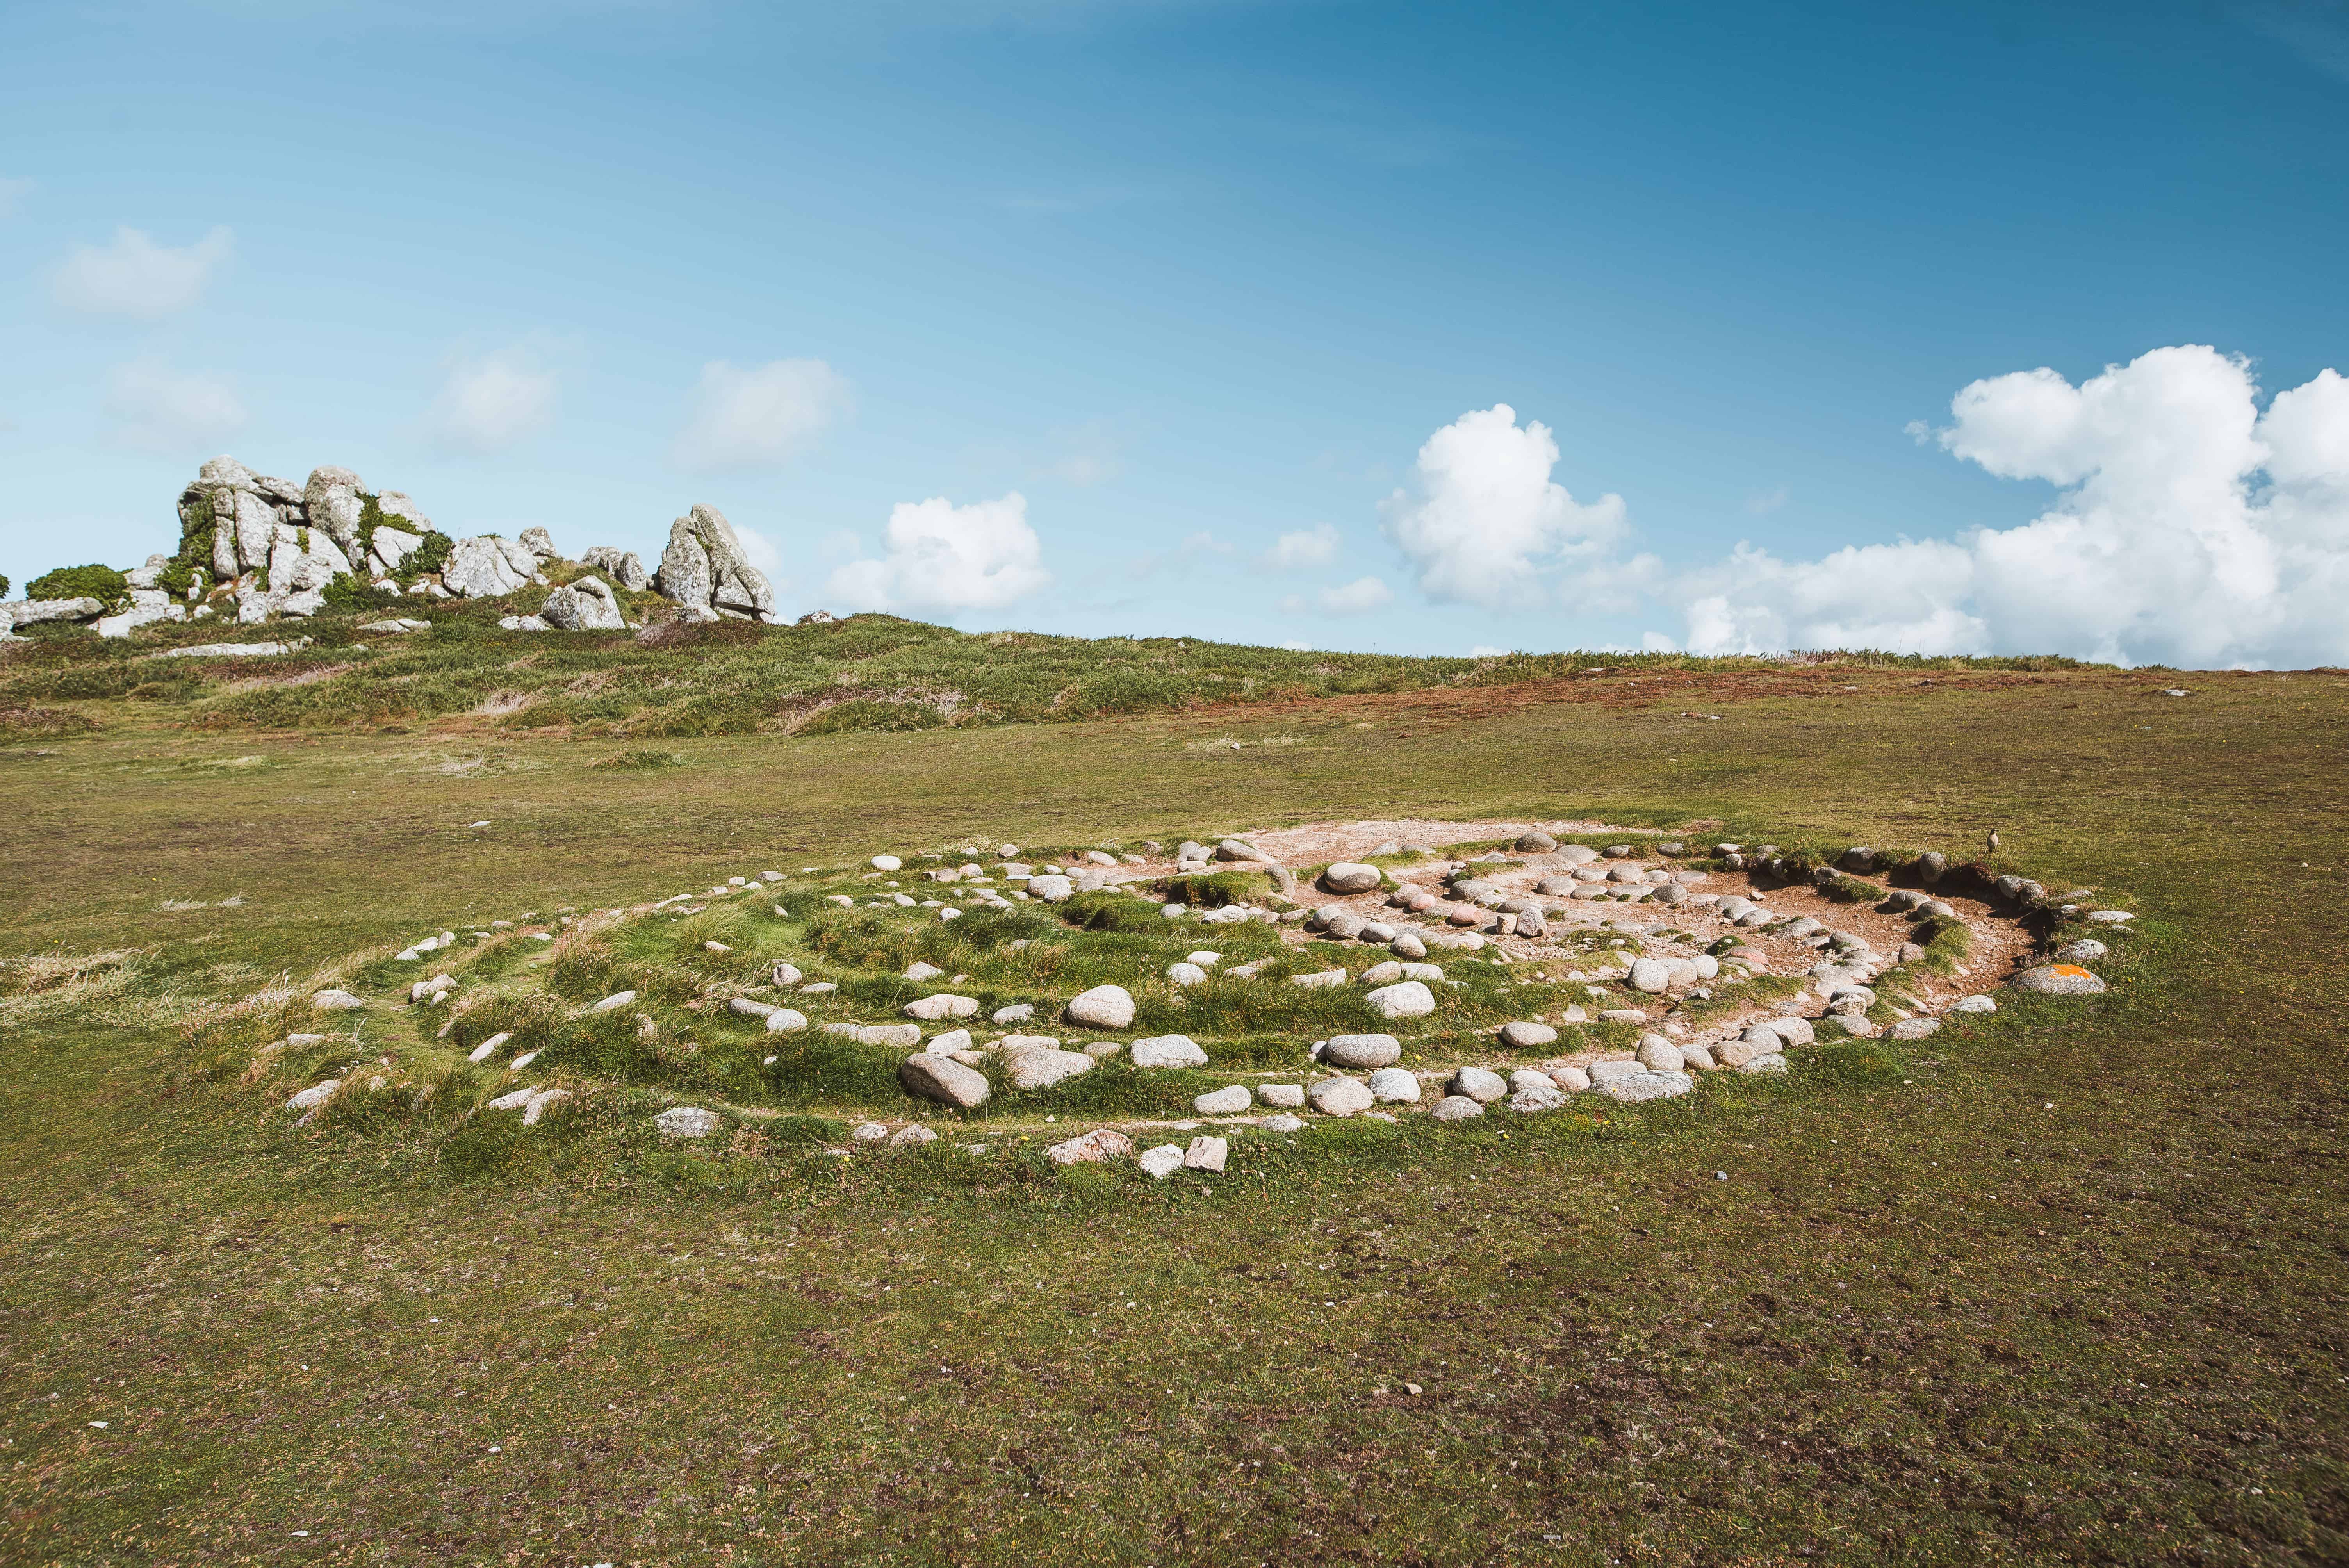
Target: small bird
1993	837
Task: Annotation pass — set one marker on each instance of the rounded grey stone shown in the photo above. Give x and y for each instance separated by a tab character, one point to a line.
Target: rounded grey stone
1339	1096
1360	1051
1103	1007
1168	1051
1405	999
1478	1085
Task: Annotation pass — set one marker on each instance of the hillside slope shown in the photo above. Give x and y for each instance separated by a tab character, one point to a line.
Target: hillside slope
732	678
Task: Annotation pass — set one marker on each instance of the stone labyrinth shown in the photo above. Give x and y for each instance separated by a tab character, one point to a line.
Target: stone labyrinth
1223	992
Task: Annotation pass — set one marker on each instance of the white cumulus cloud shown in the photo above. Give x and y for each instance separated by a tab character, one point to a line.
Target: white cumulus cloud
940	556
158	409
1482	523
136	277
2190	529
759	415
1307	547
1355	598
492	402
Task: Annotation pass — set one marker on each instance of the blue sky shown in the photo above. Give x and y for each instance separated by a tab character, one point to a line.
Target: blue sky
1186	279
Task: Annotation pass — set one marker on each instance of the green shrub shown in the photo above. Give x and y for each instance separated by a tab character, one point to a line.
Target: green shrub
349	595
426	558
1112	911
1214	889
94	582
1946	941
4	585
197	528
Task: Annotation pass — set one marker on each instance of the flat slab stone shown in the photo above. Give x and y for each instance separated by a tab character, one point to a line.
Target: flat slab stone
1102	1143
1168	1051
1207	1152
943	1079
689	1122
1645	1086
2060	980
1041	1066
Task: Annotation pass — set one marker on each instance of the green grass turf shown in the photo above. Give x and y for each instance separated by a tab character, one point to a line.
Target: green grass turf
2066	1286
868	673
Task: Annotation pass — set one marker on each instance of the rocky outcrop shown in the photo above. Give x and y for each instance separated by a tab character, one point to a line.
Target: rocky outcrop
586	605
331	502
148	605
34	612
486	566
265	546
705	573
389	546
623	565
395	505
276	546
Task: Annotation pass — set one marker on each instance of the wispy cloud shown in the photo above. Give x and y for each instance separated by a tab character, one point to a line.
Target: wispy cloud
158	409
1067	204
1359	597
1303	549
135	277
759	415
1088	454
2318	34
1194	551
492	402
